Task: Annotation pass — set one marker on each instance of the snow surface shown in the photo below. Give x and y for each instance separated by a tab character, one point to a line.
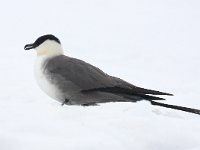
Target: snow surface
153	44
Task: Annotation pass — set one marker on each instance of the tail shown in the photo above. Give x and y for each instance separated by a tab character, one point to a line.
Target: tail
186	109
136	93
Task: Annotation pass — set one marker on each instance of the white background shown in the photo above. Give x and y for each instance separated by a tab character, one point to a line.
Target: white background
152	44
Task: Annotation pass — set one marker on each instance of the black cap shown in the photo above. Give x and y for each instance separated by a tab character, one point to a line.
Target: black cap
40	40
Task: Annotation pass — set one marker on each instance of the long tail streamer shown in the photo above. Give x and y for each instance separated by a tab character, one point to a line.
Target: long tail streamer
186	109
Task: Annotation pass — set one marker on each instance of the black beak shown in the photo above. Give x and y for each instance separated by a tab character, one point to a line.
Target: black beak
29	46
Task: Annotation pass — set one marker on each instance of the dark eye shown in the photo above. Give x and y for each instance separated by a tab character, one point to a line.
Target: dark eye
43	38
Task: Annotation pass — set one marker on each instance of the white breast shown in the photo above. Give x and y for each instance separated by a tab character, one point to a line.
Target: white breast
42	80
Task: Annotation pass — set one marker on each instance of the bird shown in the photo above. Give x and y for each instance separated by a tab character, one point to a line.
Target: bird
72	81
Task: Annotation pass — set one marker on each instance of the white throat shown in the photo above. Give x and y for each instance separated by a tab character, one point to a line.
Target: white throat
49	48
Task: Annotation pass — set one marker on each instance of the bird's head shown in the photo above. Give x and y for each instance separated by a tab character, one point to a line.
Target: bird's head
46	45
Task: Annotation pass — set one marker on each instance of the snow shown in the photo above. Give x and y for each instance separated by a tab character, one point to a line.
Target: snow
152	44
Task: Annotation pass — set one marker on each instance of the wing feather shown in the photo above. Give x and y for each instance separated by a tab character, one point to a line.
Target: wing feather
89	78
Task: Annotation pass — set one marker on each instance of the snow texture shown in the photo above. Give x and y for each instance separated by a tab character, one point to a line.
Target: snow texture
152	44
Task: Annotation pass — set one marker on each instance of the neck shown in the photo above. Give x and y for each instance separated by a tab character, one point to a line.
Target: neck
49	48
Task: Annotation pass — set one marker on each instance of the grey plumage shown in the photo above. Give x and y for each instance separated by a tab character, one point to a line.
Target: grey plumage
82	83
74	82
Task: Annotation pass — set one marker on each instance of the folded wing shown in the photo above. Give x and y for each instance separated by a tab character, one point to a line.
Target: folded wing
89	78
